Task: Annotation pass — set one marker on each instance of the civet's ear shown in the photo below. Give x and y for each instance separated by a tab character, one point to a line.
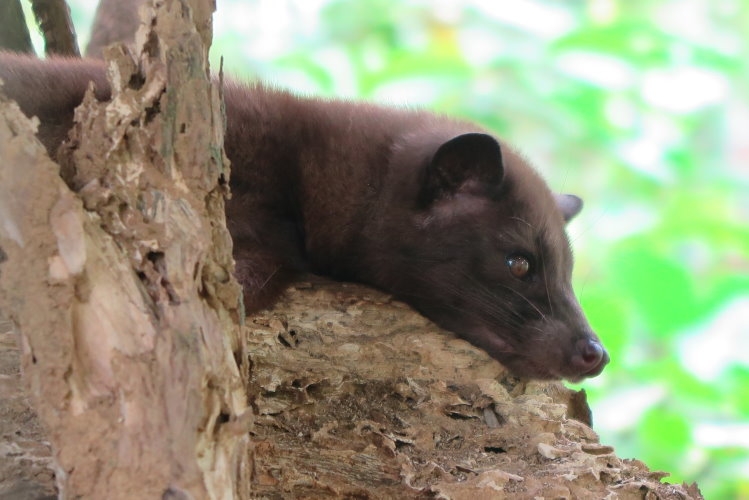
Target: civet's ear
569	204
468	157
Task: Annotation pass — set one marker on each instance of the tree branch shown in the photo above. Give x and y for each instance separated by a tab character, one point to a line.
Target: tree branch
114	21
14	35
53	18
358	396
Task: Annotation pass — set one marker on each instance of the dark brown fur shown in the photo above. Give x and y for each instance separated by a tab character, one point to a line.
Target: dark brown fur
420	205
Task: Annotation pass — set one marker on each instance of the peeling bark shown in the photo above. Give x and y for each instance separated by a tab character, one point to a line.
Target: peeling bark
357	396
122	289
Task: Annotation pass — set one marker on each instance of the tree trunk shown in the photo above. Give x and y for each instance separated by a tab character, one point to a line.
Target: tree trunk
121	288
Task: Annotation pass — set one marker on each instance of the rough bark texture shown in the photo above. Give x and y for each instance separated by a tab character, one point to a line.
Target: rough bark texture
121	288
27	469
56	25
357	396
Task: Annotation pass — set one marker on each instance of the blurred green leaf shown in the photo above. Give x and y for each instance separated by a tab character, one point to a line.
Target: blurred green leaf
637	41
667	433
659	285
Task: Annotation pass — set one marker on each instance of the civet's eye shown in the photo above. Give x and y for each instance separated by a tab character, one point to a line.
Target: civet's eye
518	265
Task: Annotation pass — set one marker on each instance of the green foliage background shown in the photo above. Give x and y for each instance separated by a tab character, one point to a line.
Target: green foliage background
641	108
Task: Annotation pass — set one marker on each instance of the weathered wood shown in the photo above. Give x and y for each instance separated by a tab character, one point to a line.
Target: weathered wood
122	290
26	466
357	396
